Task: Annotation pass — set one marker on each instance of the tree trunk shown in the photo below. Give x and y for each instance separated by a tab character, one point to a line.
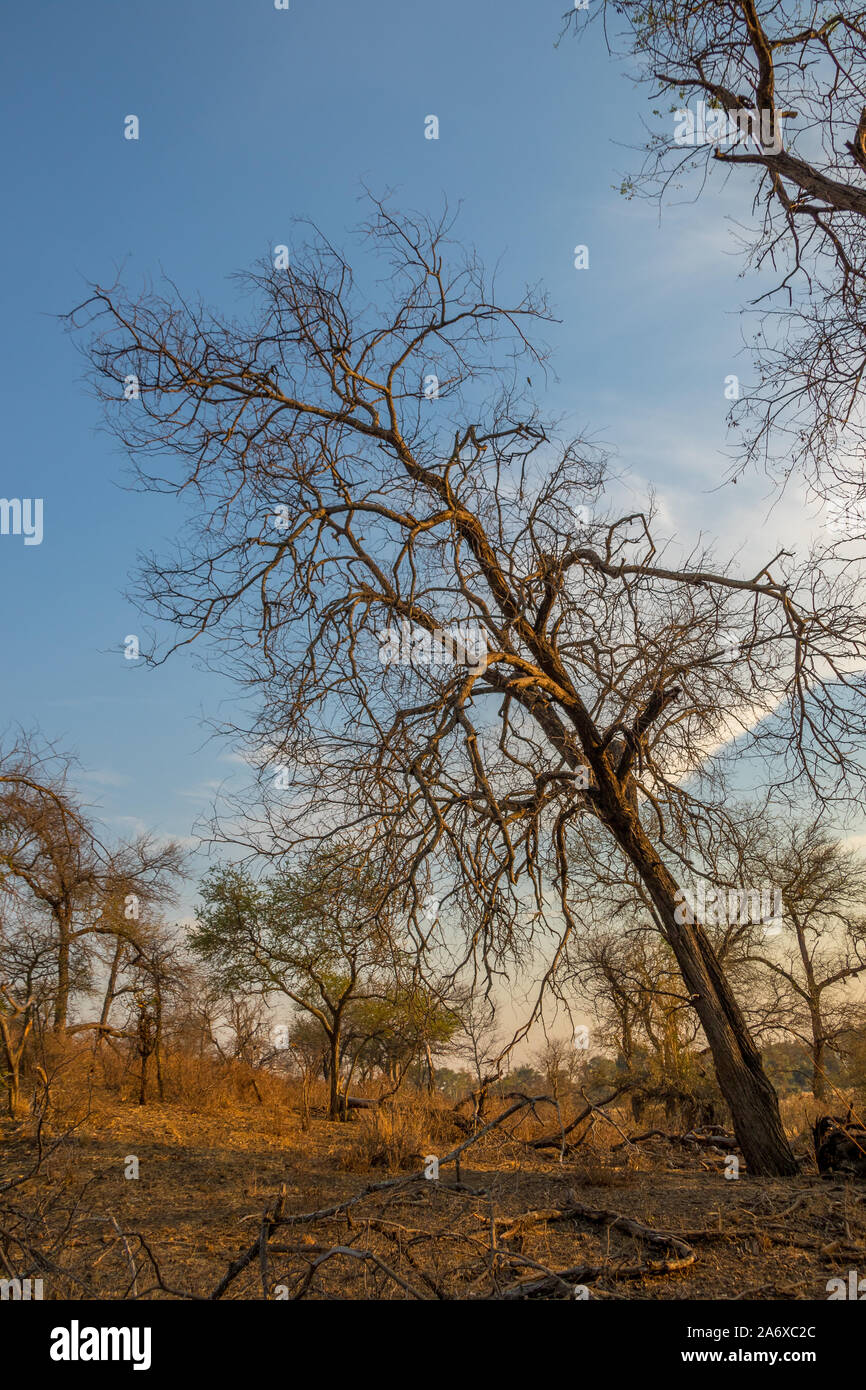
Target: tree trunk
110	987
14	1052
157	1049
146	1042
751	1099
13	1073
819	1086
334	1099
61	998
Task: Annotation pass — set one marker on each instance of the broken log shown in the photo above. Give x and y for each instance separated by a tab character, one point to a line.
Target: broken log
673	1253
840	1145
713	1141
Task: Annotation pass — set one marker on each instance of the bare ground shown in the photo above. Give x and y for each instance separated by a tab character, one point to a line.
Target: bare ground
207	1177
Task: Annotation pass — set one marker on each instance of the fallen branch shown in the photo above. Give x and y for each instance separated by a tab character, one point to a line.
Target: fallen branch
347	1251
554	1141
720	1141
270	1224
677	1254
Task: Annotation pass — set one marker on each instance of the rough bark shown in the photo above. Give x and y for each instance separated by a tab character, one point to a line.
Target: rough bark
751	1099
749	1095
61	998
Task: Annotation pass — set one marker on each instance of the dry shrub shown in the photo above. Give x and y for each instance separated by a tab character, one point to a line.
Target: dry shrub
90	1076
800	1111
395	1136
590	1171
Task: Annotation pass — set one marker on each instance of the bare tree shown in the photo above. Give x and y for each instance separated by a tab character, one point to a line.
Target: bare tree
16	1021
57	869
772	94
160	975
632	982
479	1044
630	976
27	955
559	1065
819	946
353	525
310	1056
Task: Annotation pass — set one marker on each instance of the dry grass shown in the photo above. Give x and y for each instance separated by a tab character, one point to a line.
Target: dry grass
395	1137
211	1163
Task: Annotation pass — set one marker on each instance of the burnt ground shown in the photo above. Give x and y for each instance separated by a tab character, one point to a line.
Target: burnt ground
207	1177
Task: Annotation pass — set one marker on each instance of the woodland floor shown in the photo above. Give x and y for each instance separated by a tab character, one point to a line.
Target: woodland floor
206	1178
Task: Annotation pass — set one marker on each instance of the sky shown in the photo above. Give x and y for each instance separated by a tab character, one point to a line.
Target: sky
250	117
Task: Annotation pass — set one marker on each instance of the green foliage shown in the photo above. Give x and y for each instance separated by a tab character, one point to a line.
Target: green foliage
310	933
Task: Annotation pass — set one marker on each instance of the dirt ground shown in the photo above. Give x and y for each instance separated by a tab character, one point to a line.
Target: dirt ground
206	1179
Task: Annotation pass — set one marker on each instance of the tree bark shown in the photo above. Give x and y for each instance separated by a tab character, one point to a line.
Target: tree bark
819	1088
335	1109
61	998
750	1097
157	1048
13	1069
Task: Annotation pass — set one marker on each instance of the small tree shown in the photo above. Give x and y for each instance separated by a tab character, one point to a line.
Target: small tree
818	948
16	1021
407	1027
145	1033
308	1047
478	1043
158	977
630	977
310	934
56	869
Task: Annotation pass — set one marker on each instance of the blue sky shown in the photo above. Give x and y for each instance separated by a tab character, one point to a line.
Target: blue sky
250	117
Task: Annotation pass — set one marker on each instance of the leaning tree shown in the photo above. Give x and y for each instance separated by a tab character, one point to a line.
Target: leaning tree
448	634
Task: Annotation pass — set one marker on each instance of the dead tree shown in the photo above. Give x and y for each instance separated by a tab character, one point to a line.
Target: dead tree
57	869
16	1021
818	950
354	524
146	1037
769	96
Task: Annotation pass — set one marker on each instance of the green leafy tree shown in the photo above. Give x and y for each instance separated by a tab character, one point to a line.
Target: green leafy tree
406	1029
314	935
